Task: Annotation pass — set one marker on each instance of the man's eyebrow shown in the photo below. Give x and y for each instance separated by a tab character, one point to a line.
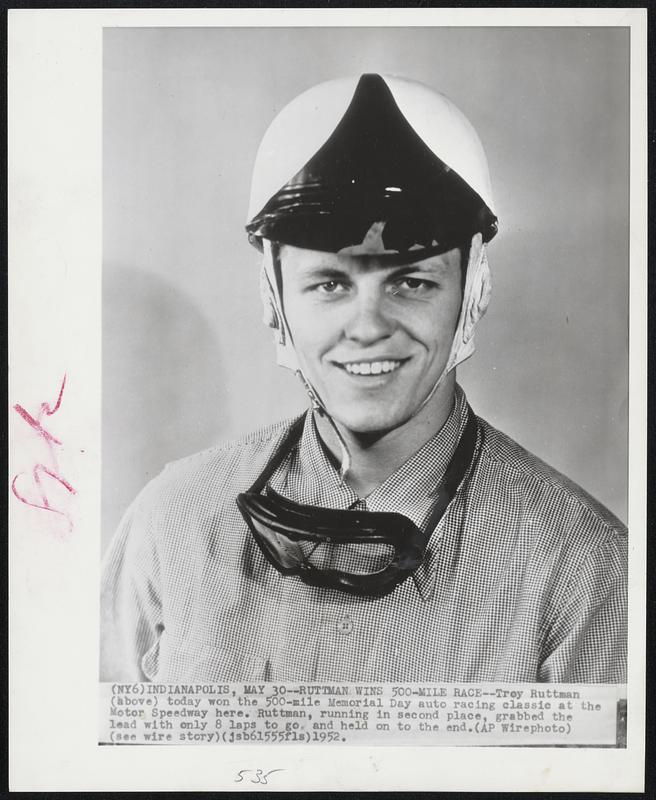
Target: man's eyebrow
408	269
322	271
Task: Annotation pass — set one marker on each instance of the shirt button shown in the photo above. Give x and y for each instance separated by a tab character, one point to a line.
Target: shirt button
345	625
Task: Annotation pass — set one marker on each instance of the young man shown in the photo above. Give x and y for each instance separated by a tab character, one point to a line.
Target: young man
388	534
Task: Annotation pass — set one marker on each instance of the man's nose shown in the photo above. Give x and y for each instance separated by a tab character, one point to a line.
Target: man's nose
368	321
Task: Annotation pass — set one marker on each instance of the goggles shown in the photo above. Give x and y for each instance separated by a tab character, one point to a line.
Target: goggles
294	537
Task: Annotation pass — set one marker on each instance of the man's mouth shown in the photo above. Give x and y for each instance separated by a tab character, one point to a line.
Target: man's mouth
382	367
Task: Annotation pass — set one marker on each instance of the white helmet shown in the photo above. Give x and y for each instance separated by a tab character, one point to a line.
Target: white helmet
350	152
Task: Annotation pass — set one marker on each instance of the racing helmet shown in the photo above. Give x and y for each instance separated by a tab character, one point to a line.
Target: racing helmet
352	152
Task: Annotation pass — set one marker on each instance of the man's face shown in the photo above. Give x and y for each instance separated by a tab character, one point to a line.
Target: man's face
371	338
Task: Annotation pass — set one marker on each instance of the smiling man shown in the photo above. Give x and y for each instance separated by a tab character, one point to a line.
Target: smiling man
374	340
388	534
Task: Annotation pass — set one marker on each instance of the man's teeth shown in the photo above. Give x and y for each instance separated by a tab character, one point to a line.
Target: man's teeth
371	367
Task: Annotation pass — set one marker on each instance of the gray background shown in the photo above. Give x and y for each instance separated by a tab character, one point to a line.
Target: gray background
186	360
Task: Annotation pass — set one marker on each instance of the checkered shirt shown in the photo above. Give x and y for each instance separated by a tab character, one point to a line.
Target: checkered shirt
524	578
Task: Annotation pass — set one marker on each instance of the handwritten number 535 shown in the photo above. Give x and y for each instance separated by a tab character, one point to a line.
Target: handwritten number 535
260	776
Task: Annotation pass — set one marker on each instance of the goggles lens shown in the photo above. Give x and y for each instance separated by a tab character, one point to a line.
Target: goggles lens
306	555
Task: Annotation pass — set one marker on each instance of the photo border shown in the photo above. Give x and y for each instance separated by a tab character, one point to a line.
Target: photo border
55	233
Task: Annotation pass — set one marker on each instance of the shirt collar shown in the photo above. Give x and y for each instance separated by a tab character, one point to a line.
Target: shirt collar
410	489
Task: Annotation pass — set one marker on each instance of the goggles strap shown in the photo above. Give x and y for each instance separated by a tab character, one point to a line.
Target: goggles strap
291	438
455	473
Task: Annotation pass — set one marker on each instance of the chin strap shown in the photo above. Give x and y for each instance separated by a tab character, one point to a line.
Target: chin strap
475	300
320	409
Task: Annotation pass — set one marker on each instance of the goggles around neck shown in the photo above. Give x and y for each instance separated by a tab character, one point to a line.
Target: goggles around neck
288	533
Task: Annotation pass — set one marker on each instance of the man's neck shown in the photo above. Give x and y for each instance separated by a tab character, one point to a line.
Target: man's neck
373	459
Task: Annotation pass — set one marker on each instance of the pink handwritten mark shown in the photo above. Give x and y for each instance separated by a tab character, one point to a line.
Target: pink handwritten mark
41	472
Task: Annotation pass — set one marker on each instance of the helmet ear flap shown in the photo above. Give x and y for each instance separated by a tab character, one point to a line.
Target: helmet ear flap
269	314
476	297
272	313
480	290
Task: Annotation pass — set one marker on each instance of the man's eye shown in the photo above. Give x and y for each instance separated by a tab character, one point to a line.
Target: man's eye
330	287
413	285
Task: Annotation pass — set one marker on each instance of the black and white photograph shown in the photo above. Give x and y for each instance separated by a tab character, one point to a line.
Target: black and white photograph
388	532
358	417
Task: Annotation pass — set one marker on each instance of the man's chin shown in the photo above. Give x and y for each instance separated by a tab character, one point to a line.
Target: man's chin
370	426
